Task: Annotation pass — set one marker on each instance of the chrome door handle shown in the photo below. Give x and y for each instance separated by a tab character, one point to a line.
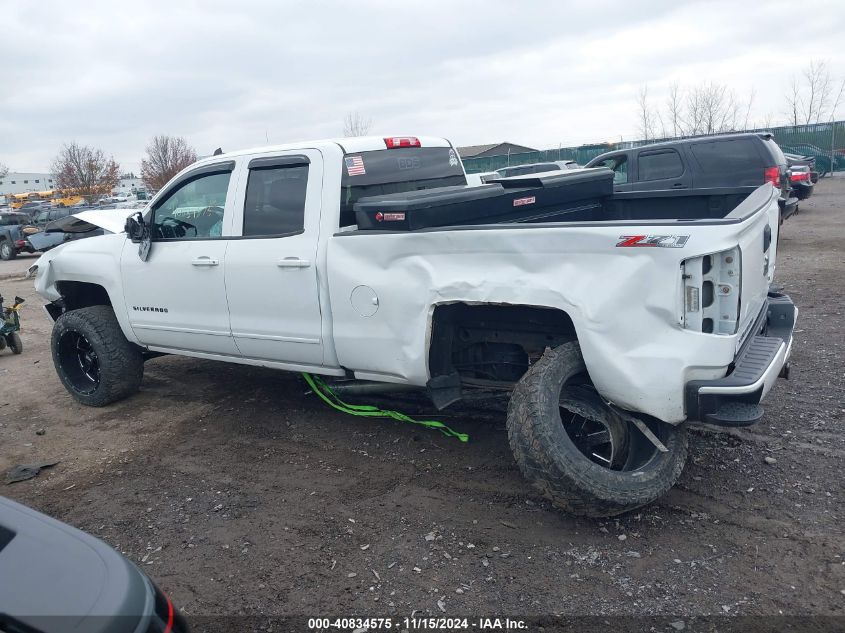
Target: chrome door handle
204	261
293	262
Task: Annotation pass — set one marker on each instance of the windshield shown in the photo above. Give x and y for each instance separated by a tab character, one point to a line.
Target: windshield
386	171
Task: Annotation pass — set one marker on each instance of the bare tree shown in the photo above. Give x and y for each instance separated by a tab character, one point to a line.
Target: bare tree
646	114
817	90
3	170
708	108
675	109
748	105
85	170
812	97
794	102
356	125
166	157
711	108
837	99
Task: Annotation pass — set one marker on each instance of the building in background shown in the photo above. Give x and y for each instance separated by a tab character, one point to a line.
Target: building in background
23	182
26	182
129	185
493	149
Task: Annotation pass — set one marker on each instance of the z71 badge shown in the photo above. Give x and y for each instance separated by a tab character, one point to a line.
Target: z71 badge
659	241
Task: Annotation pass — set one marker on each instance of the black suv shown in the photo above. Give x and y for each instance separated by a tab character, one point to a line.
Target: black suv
704	162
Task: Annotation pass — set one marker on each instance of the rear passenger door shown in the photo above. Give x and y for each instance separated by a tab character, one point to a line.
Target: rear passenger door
272	284
659	169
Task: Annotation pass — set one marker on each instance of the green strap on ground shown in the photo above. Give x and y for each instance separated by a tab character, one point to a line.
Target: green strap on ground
367	411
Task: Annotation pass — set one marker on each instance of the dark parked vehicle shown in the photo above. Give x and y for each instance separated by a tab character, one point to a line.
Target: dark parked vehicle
737	161
808	161
801	179
34	207
58	579
43	218
12	238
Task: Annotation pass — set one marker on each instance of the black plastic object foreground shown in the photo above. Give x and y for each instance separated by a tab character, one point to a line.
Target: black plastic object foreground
57	579
517	199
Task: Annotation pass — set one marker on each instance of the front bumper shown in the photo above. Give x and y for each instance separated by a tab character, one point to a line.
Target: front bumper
764	356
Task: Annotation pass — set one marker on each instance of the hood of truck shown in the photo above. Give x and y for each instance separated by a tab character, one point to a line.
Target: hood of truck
112	220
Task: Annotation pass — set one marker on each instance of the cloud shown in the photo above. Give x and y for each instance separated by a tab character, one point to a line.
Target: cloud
239	74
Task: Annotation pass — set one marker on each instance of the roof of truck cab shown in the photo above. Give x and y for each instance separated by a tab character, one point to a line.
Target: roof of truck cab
348	144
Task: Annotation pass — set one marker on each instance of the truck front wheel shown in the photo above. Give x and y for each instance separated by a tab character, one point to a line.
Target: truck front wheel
93	359
577	451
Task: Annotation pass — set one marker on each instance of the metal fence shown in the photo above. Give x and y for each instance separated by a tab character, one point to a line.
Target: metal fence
824	141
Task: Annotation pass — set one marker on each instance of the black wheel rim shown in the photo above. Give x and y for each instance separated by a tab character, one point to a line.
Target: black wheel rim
79	362
601	441
600	436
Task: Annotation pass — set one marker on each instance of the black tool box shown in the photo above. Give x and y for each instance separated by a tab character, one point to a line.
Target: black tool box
545	197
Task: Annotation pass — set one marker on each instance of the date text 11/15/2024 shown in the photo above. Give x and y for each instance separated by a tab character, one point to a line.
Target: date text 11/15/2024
416	624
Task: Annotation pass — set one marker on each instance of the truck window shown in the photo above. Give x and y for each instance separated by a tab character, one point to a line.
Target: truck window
193	210
659	165
619	165
381	172
726	156
275	201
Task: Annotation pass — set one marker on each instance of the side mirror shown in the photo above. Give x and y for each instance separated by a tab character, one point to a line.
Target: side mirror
134	227
139	232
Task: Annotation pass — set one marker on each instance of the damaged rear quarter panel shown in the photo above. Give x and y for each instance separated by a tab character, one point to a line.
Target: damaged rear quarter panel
624	302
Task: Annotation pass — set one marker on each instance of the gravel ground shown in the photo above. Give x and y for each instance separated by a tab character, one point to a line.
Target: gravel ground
239	493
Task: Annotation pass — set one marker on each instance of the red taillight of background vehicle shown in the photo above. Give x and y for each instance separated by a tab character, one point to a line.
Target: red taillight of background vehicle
395	142
772	175
20	243
799	176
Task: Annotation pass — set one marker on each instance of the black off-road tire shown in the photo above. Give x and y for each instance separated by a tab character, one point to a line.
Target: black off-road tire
548	458
120	364
15	343
7	250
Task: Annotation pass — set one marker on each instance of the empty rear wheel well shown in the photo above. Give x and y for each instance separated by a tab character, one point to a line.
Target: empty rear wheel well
80	294
493	342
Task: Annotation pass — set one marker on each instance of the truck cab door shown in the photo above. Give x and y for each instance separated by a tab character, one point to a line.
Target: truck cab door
272	281
620	166
176	299
660	169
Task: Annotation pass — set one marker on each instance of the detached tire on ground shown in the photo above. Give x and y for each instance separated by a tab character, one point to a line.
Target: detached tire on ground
7	250
93	359
583	456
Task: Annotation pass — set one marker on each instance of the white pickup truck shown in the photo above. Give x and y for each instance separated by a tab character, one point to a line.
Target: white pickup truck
613	318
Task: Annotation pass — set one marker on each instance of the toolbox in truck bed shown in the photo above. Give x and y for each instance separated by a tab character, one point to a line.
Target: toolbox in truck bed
547	197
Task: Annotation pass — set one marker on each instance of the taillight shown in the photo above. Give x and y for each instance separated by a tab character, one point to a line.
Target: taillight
395	142
772	175
799	177
20	243
711	292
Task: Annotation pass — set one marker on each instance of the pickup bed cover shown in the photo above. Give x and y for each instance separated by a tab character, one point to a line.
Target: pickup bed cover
546	197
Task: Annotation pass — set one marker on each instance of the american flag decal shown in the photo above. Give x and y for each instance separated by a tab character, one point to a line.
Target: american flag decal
355	166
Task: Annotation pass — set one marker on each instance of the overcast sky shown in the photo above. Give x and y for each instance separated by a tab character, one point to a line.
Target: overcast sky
240	74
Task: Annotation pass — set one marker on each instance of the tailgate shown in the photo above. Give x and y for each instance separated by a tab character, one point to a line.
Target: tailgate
726	290
758	251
